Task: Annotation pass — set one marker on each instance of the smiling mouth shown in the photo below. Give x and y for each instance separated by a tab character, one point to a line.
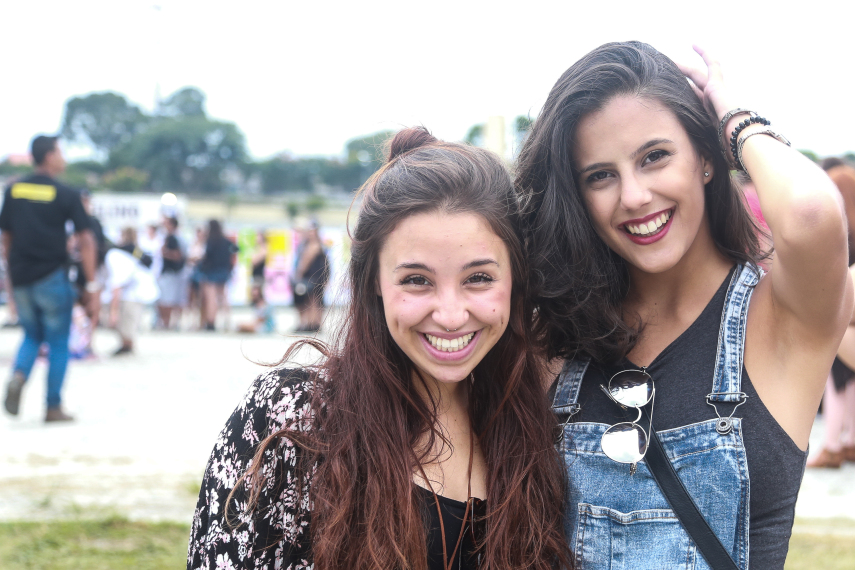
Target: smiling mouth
651	227
446	345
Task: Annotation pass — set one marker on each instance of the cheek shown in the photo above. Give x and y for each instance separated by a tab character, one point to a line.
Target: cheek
494	307
403	310
600	207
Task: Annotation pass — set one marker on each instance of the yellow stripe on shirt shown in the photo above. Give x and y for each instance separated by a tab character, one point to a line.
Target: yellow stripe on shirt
34	192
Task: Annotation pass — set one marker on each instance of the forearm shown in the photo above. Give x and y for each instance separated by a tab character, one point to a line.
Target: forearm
88	254
115	301
801	205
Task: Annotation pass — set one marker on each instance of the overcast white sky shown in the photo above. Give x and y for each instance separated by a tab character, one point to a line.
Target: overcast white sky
306	76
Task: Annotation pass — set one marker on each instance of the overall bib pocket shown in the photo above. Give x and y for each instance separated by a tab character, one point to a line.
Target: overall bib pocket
607	539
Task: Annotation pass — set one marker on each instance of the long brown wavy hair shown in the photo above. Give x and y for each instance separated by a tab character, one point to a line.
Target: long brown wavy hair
579	282
368	417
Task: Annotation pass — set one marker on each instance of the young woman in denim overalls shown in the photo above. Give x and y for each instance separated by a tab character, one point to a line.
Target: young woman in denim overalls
645	268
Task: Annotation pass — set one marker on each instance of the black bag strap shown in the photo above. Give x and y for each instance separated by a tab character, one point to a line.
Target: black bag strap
711	548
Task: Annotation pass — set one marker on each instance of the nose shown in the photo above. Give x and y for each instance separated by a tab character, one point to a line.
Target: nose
634	193
451	310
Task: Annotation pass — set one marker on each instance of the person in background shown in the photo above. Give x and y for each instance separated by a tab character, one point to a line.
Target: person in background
215	269
11	311
310	278
101	242
128	287
128	243
33	225
838	401
151	242
259	259
195	253
173	290
263	321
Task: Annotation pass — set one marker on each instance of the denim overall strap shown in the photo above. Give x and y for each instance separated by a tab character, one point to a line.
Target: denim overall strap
569	382
727	379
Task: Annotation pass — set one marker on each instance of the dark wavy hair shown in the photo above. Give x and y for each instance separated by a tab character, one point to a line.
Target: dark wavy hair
578	281
369	417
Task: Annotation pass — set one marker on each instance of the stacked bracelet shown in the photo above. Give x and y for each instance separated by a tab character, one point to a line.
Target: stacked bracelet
728	116
754	119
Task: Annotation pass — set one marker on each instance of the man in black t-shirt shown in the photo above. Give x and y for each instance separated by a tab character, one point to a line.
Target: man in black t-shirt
33	225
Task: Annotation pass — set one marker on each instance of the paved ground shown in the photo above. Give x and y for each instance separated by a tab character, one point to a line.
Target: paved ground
146	424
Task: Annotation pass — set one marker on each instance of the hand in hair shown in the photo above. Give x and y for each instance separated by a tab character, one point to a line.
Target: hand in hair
709	85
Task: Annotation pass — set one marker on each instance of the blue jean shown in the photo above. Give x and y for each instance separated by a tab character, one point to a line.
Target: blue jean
618	521
44	311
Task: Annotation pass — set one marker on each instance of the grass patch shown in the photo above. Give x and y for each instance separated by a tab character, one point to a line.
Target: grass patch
104	544
808	552
114	542
823	543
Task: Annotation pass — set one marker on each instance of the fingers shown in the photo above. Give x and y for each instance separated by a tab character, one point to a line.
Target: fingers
713	65
698	77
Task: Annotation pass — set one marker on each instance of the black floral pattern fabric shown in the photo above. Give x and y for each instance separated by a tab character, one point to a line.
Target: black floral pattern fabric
275	536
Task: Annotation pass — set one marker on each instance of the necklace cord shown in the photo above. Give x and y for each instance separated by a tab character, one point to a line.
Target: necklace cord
448	561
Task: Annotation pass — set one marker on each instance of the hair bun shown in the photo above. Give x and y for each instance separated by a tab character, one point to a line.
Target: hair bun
409	139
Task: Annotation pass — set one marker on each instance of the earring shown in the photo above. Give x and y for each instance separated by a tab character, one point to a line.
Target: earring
706	174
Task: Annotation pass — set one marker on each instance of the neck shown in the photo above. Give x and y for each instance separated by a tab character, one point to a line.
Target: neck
687	284
43	170
450	397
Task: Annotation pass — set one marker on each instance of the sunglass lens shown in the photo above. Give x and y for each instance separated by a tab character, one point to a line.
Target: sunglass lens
624	443
631	388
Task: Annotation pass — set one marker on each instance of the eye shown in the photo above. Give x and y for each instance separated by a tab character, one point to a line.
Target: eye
479	278
598	176
417	280
655	156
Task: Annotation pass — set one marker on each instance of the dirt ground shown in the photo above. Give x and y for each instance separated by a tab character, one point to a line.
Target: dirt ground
146	424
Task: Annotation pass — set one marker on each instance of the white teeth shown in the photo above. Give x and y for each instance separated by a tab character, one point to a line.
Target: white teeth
447	345
650	227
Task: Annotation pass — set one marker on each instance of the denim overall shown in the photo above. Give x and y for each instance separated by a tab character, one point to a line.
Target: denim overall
618	521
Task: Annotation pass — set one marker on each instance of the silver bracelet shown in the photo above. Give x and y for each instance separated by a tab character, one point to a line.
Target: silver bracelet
728	116
774	134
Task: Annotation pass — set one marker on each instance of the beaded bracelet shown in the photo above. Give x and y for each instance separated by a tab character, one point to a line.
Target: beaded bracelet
769	132
755	119
727	116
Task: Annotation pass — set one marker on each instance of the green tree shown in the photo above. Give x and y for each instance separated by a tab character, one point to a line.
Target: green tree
184	152
103	121
83	174
186	102
811	155
475	135
370	149
315	203
125	179
16	170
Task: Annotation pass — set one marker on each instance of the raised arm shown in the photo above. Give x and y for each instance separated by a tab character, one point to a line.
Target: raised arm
805	214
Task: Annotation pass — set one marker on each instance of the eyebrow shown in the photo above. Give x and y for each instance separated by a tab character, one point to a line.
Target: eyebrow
480	263
639	150
414	265
470	265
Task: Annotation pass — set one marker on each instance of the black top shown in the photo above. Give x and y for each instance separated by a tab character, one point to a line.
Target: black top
683	374
218	255
35	211
279	534
452	520
172	265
